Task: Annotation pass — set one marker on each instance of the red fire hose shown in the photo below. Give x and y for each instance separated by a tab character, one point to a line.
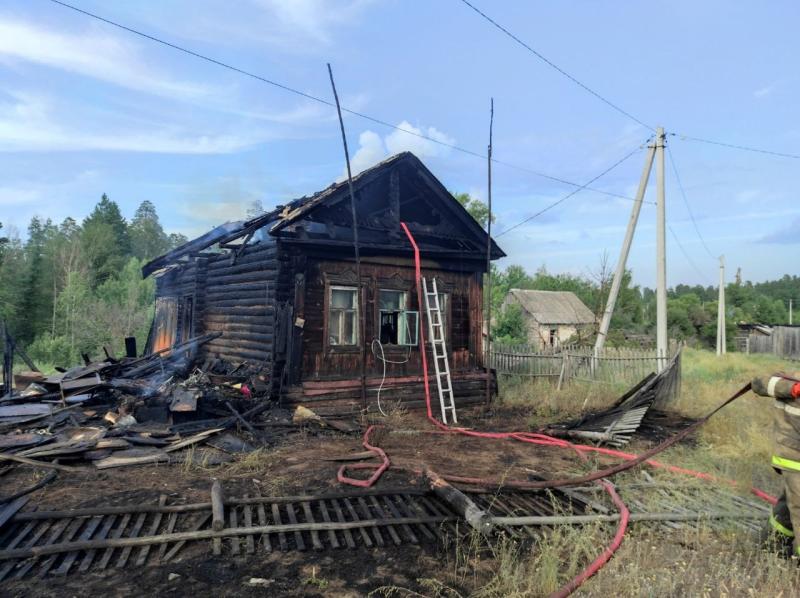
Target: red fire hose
631	460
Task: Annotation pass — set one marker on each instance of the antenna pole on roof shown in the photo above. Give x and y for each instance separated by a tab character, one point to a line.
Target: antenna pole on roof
488	284
360	298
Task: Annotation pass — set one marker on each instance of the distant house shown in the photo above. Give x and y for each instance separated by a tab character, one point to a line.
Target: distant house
552	317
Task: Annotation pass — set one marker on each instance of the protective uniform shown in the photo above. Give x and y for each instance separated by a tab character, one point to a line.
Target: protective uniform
785	517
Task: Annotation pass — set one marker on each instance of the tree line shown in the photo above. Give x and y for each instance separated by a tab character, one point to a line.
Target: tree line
75	287
691	310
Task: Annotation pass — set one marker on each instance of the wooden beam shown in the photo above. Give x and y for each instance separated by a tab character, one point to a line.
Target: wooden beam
476	517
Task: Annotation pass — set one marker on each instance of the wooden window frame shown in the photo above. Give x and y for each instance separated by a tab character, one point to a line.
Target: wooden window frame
378	311
343	284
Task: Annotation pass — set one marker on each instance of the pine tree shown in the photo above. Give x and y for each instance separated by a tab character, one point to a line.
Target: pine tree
105	240
148	239
177	239
3	243
31	297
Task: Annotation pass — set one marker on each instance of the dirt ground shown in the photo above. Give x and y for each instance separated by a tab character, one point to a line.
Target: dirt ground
302	463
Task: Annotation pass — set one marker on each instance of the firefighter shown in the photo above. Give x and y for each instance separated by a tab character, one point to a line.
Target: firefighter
785	518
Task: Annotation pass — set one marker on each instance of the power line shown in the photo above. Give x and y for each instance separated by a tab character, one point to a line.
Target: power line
554	66
571	193
686	255
608	102
745	148
314	98
686	201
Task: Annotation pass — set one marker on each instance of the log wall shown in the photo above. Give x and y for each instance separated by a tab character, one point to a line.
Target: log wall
239	301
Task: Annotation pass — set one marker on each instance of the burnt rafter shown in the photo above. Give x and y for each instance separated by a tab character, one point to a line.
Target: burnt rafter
279	290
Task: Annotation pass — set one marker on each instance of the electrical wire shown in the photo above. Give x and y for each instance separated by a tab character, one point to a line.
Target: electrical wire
608	102
686	201
320	100
557	68
686	255
571	193
384	361
629	460
745	148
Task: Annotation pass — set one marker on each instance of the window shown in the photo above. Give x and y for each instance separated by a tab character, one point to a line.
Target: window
398	325
343	316
554	337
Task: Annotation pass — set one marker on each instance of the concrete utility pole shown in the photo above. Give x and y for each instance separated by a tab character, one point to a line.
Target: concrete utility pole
624	252
790	312
721	340
662	342
488	294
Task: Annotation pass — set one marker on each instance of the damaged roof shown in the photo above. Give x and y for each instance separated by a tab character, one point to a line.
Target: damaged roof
283	215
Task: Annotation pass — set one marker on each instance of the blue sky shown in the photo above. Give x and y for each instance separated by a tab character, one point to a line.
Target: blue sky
86	108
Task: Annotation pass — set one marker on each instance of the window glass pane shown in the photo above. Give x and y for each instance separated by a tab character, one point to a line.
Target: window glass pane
334	322
408	328
349	328
343	298
392	300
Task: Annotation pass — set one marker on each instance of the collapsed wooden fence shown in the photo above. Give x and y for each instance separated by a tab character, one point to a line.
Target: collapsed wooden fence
611	365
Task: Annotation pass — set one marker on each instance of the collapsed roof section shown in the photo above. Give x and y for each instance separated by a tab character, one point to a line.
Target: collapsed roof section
399	189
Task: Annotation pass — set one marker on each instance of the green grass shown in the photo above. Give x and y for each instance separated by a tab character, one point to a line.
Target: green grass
697	561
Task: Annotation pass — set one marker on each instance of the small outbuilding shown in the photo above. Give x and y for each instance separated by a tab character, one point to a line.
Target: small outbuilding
552	317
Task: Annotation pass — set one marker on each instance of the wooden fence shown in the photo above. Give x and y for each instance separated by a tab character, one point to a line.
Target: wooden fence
613	364
783	342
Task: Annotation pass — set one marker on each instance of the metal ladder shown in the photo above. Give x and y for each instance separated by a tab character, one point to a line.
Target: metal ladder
440	364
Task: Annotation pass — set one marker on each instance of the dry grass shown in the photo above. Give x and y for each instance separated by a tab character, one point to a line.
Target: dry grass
698	562
394	416
540	399
735	444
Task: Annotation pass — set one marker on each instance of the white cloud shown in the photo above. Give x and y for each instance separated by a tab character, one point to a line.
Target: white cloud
315	19
372	148
764	91
91	54
410	140
115	60
28	123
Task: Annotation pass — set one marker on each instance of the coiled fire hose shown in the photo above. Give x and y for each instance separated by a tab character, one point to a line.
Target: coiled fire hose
630	460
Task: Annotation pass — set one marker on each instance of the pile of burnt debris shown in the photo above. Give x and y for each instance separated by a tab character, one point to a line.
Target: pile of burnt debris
160	408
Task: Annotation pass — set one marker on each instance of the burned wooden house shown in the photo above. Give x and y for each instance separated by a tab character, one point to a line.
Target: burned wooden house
282	289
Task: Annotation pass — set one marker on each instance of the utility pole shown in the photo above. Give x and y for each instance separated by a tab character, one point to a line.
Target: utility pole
790	312
602	333
487	297
721	340
662	342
